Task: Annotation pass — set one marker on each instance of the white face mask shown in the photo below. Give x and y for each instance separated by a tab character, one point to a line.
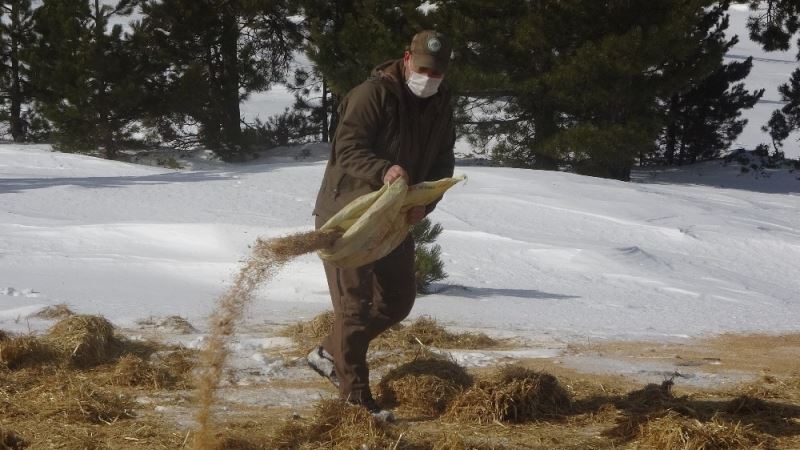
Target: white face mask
422	85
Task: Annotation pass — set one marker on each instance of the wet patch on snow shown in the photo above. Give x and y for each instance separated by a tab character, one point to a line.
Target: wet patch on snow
643	370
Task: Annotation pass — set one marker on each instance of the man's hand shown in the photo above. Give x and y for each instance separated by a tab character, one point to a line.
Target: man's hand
415	214
394	173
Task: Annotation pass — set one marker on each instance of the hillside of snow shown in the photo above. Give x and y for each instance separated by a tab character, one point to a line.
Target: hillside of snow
543	256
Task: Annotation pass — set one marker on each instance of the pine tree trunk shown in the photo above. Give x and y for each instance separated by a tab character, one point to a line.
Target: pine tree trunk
334	115
672	131
105	134
17	127
210	123
325	131
545	129
231	117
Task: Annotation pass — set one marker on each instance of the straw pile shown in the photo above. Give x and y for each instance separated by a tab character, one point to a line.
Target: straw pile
745	405
176	324
74	400
336	424
424	330
179	366
59	311
513	394
769	386
452	441
85	340
424	386
653	397
644	405
311	332
20	351
674	431
427	331
132	371
267	258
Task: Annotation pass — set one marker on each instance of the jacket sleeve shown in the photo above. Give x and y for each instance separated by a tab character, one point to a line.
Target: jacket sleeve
356	133
444	165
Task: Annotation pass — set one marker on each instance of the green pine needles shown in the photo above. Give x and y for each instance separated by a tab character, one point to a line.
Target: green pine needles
428	264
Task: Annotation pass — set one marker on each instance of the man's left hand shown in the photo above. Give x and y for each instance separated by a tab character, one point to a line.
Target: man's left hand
415	214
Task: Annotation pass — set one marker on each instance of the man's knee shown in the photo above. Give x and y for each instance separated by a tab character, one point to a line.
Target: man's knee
398	305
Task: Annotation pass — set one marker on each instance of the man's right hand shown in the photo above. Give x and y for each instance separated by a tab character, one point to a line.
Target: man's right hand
394	173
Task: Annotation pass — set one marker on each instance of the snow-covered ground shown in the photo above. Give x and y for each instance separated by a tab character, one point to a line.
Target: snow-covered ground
543	256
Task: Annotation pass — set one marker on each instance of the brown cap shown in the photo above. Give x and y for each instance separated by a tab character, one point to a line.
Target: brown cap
432	50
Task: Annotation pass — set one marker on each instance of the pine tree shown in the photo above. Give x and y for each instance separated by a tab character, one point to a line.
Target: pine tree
85	79
310	113
576	83
428	265
773	24
787	119
211	54
17	37
345	39
705	118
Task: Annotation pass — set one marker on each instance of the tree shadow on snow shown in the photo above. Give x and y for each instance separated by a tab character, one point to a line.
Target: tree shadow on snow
13	185
768	182
482	292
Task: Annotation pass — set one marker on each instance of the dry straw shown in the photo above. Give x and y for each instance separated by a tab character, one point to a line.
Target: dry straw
424	386
19	351
71	399
266	259
336	424
84	340
674	431
454	441
59	311
179	365
512	394
312	331
642	406
424	330
429	332
132	371
745	405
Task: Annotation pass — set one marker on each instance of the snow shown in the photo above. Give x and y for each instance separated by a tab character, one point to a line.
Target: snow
541	256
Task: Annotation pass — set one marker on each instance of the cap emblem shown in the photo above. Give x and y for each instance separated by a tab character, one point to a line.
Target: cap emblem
434	45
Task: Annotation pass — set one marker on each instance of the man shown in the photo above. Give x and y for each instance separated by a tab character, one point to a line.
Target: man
397	124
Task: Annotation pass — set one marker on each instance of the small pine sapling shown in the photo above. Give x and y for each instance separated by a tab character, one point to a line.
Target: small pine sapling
428	265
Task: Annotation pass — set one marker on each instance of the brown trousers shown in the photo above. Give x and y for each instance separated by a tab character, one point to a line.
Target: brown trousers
366	301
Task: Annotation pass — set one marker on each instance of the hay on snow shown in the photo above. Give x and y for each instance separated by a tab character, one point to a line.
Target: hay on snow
85	340
425	386
512	394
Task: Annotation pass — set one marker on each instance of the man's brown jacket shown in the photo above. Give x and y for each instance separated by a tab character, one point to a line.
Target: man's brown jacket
381	123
